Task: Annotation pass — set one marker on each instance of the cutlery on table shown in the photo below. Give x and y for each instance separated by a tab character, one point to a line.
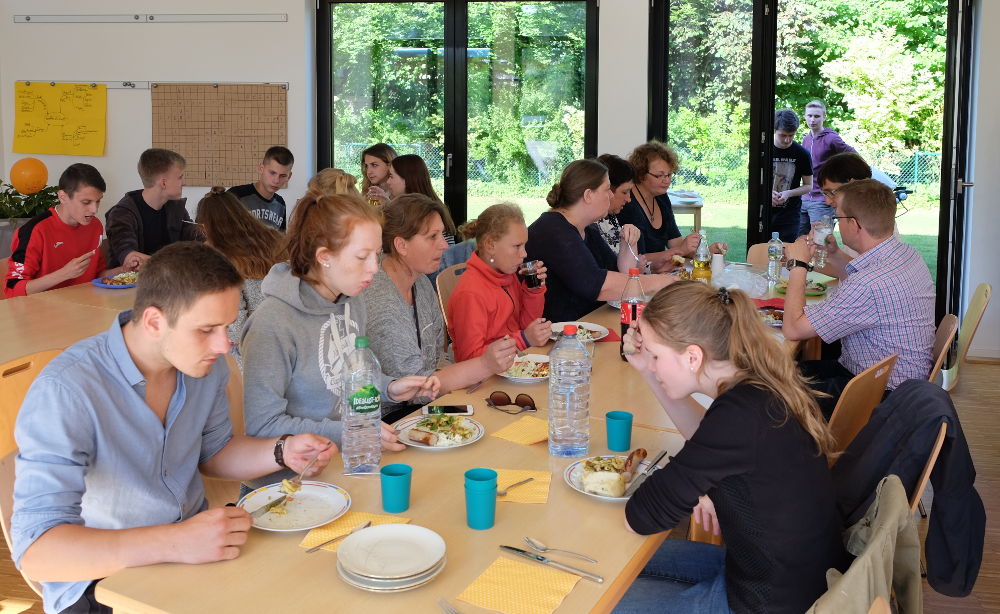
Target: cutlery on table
447	607
540	547
297	480
501	493
642	475
476	386
363	525
547	561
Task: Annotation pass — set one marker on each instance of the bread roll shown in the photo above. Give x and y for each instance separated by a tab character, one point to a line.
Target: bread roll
606	483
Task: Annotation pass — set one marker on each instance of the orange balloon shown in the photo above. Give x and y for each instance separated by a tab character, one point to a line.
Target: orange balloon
28	175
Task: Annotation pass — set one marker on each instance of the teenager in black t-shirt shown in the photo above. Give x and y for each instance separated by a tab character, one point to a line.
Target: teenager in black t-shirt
792	176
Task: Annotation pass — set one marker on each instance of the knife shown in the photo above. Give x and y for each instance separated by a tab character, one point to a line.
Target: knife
547	561
267	507
639	479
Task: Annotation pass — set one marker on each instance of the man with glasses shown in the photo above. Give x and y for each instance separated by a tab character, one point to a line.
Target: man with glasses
884	303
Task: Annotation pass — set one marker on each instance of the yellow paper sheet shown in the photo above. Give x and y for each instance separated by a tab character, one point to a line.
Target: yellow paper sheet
513	587
61	118
528	430
535	491
344	525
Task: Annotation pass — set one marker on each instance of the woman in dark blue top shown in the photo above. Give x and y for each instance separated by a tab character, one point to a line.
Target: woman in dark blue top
582	269
759	453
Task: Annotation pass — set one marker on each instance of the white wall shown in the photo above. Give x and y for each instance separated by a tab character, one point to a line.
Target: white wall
270	51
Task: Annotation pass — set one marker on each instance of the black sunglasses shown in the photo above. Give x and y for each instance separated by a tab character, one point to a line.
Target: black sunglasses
500	400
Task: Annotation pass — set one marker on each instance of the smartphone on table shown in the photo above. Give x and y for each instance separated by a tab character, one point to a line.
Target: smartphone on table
453	410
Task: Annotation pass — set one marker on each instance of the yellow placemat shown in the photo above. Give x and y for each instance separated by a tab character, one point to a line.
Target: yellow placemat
535	491
344	525
513	587
528	430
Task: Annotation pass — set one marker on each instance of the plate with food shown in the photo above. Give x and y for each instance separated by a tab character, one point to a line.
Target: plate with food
312	505
585	331
606	477
528	369
813	288
772	316
117	282
439	431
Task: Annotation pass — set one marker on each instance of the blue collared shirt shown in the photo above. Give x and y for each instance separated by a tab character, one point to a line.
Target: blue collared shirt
93	453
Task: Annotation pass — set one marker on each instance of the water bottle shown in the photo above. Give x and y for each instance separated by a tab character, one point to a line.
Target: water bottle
820	232
775	252
569	396
633	302
361	444
702	260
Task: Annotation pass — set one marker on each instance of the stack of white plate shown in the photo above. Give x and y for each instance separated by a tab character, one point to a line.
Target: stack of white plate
390	558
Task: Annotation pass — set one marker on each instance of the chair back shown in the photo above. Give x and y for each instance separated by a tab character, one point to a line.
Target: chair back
880	606
973	316
757	254
857	401
4	263
234	393
942	343
925	475
446	282
15	379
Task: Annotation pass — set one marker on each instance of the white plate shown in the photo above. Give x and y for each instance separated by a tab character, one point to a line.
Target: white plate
390	586
391	551
599	331
574	477
404	426
316	504
527	380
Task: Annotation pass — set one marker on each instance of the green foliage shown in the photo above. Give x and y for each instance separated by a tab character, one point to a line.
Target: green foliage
13	204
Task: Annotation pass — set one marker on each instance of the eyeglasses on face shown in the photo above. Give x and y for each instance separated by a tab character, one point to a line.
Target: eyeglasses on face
833	192
661	175
500	400
844	217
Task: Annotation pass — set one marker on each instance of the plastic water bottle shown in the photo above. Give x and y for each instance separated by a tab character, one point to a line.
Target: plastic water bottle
569	396
361	444
702	260
820	232
775	252
633	302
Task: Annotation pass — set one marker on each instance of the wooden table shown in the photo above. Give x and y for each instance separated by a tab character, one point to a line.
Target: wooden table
274	574
685	208
29	324
89	294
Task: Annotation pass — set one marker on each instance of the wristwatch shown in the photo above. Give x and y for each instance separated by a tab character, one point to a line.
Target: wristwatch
792	263
279	450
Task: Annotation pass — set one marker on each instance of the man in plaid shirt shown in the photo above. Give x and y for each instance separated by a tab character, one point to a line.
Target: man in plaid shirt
884	305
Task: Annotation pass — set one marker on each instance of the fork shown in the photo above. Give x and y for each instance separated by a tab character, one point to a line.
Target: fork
297	480
447	607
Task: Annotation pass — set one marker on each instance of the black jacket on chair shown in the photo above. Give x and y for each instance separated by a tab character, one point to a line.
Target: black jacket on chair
897	440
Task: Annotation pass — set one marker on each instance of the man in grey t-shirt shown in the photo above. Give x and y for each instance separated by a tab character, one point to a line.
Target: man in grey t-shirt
261	198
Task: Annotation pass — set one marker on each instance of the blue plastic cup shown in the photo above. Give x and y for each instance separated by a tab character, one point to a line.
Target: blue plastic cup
480	498
619	430
396	487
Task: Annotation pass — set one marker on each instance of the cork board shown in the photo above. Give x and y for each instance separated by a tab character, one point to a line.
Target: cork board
221	130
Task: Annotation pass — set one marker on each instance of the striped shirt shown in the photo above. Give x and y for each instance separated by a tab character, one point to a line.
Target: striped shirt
884	306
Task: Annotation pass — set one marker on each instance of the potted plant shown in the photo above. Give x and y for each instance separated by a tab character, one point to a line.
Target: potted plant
17	208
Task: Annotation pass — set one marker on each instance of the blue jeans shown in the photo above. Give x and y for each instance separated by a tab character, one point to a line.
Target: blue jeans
683	577
813	211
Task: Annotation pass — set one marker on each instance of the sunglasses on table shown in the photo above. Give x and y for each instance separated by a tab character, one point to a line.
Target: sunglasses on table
500	400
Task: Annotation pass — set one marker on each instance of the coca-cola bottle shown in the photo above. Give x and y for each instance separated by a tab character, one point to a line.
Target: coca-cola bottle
633	302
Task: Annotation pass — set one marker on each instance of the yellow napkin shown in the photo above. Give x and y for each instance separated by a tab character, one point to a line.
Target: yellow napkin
513	587
535	491
528	430
344	525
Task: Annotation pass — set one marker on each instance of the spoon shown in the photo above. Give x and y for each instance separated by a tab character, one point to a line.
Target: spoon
540	547
501	493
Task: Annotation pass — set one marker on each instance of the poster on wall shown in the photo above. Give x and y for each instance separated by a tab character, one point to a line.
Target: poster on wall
60	118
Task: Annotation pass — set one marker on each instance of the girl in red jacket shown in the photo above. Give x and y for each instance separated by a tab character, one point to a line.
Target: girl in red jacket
490	301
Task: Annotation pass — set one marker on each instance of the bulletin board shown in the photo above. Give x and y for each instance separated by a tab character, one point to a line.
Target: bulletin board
60	118
222	130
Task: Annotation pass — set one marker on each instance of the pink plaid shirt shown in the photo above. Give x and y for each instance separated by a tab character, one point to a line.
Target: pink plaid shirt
884	306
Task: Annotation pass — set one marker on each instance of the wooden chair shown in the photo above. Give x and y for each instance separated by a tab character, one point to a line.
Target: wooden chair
697	533
880	606
970	322
857	401
942	343
234	392
446	282
757	254
15	378
3	275
925	475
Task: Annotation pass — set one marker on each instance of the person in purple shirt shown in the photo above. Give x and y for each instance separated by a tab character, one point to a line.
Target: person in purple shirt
821	143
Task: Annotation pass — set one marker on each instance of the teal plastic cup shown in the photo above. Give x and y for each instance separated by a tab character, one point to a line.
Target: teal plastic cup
619	430
480	498
396	487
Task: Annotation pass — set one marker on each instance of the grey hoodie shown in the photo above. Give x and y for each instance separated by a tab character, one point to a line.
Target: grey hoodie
293	371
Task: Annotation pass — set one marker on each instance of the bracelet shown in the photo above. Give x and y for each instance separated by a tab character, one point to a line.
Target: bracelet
279	450
527	344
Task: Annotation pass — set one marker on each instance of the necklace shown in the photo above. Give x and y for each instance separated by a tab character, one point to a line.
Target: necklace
650	213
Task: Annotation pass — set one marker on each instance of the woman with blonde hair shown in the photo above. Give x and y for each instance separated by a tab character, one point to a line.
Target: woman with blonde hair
583	271
375	170
251	245
491	302
759	452
331	181
296	343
